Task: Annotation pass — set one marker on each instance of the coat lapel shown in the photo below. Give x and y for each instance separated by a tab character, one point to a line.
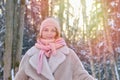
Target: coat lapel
45	67
46	71
57	59
49	67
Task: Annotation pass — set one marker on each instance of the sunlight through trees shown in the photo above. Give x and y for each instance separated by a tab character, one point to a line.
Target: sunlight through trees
90	27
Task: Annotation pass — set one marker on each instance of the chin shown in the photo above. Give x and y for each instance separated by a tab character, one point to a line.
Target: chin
49	38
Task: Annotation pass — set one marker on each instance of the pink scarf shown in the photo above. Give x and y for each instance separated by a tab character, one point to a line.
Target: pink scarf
48	48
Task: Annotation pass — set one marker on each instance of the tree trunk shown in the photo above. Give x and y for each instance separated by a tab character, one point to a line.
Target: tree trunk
85	25
104	58
44	9
91	59
51	8
15	33
8	39
84	16
60	14
20	34
109	43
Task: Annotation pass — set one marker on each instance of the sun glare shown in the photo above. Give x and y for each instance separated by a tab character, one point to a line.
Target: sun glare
78	9
76	5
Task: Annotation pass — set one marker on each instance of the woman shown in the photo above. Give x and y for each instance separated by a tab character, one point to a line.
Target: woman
50	58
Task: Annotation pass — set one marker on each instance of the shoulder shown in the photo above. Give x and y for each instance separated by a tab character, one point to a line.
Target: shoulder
64	50
72	52
74	56
33	50
67	51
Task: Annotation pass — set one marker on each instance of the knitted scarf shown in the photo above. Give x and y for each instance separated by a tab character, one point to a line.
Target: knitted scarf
47	48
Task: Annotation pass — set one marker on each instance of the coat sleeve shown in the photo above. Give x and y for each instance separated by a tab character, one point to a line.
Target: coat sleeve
20	75
79	72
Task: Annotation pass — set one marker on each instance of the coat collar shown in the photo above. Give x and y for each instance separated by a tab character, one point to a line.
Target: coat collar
49	67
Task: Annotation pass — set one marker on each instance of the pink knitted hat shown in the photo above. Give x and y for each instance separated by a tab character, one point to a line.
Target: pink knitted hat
50	22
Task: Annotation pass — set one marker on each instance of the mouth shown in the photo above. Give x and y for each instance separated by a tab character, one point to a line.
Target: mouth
49	37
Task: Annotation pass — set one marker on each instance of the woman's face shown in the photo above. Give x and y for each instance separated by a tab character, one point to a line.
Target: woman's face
49	32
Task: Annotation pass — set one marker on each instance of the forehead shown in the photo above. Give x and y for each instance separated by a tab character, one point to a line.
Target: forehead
49	27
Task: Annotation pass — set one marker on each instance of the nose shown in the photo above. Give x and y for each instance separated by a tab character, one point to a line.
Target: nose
49	32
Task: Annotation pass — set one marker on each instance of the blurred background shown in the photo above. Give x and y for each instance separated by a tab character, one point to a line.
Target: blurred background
90	27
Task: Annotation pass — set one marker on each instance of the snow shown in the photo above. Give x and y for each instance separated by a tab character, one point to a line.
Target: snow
117	49
12	74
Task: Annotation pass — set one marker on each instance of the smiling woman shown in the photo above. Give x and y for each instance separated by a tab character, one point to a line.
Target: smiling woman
50	56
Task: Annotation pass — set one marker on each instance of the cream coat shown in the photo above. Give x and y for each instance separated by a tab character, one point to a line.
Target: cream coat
65	65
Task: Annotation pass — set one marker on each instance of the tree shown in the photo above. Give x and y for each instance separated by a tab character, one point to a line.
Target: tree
13	40
20	32
108	41
8	39
2	35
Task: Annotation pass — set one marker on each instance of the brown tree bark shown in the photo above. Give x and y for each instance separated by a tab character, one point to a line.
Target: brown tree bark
8	39
109	42
44	9
20	32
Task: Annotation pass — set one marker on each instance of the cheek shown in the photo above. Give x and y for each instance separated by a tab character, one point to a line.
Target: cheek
56	35
43	34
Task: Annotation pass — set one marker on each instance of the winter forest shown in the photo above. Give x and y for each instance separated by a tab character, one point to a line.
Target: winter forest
90	27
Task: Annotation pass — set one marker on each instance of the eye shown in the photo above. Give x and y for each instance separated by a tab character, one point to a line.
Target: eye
45	29
53	30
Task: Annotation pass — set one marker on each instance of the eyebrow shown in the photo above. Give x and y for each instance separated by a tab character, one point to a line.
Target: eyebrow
47	28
